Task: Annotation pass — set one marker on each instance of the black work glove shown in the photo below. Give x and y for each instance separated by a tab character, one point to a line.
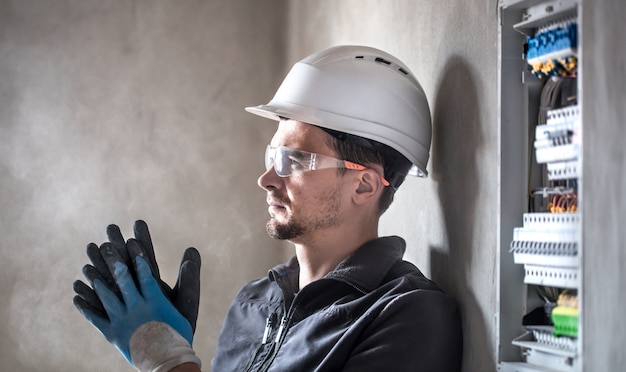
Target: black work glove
185	295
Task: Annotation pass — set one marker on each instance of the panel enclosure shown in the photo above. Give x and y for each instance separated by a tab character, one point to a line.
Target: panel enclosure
539	225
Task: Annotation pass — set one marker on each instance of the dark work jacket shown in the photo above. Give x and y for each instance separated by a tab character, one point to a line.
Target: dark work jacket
373	312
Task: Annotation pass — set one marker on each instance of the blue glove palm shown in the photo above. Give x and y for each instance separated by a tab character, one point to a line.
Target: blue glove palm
139	306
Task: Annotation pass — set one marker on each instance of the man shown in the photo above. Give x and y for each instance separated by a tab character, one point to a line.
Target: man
353	122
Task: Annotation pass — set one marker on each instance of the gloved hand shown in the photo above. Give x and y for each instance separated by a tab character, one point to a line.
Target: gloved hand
185	295
144	326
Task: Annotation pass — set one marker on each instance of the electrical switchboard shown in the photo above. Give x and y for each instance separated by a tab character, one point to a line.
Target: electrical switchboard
540	226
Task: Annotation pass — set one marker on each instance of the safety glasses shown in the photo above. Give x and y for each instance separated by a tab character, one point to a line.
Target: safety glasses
288	161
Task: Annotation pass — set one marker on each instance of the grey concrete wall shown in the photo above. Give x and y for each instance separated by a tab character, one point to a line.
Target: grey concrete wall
116	110
449	220
113	111
603	185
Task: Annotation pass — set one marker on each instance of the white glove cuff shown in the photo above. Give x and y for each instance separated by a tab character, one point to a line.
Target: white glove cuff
157	347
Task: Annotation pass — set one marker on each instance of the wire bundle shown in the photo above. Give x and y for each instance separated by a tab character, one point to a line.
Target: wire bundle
563	203
554	200
550	98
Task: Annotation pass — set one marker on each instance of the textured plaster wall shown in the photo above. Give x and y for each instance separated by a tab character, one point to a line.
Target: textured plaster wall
112	111
449	220
603	185
116	110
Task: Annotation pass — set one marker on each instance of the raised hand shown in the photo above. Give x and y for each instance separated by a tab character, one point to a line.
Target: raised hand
185	295
144	325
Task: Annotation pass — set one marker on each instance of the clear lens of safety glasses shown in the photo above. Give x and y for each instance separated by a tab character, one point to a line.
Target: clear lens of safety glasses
288	161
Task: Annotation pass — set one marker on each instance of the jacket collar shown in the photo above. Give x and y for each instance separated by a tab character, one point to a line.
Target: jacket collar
364	269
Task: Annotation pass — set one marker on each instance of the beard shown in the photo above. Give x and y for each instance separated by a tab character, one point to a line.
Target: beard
296	227
284	231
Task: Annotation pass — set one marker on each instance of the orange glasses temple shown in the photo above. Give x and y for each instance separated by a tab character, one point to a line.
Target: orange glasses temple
351	165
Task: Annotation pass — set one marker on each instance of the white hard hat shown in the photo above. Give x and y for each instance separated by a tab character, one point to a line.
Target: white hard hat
358	90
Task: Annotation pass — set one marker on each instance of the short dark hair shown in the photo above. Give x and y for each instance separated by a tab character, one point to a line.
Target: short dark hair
366	152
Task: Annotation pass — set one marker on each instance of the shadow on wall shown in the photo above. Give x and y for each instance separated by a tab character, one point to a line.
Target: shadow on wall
457	137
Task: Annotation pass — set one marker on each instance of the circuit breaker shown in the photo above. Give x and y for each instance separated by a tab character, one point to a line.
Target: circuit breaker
540	229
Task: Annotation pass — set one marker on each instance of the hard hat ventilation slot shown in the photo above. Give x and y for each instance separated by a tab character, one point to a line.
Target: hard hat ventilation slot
378	59
386	62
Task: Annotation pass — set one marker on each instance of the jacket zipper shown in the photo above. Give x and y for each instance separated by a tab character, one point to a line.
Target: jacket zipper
281	328
271	354
284	326
269	323
269	327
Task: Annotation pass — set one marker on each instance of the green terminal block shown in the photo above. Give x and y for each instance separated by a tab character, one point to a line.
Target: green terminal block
565	321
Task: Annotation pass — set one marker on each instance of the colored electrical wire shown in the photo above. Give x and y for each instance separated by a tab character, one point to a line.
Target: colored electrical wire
555	200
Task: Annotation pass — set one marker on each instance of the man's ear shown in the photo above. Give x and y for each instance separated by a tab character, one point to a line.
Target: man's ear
368	187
